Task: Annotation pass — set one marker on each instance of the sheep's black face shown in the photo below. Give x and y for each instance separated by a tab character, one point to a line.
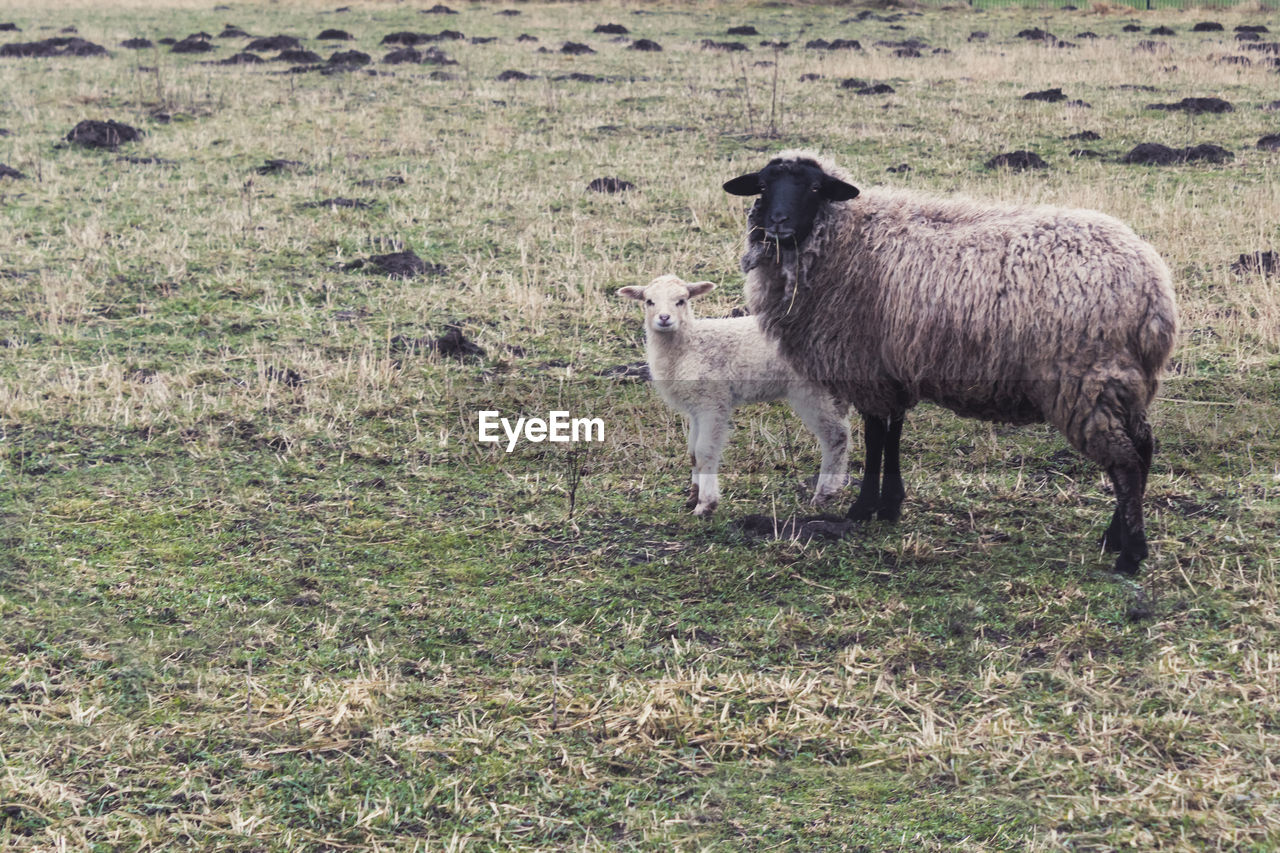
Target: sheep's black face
791	194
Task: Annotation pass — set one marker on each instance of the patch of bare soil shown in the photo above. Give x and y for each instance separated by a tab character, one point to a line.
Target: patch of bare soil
110	134
1270	142
454	344
10	172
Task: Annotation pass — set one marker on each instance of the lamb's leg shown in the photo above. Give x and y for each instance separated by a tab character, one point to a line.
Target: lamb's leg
713	432
831	426
892	492
692	500
874	431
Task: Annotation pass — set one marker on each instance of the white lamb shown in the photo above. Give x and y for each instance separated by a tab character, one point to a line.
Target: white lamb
707	368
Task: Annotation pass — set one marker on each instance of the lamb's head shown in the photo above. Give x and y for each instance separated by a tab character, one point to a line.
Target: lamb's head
793	188
666	301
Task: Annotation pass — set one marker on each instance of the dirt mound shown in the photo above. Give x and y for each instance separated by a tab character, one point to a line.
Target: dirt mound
405	264
10	172
870	89
453	344
645	45
1049	96
1155	154
1271	142
430	56
610	185
1196	106
136	44
1018	161
1085	136
1252	28
731	46
1036	34
233	32
745	30
1207	27
1131	28
826	527
1247	36
297	56
277	165
9	27
102	134
611	30
1161	31
1266	263
58	46
579	77
350	57
439	9
280	42
508	13
334	35
242	59
513	76
838	44
192	44
979	35
573	48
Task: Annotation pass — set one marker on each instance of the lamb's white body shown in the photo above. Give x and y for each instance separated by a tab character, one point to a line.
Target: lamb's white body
707	368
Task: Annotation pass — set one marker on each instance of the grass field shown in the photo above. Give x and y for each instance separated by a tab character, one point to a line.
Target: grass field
262	588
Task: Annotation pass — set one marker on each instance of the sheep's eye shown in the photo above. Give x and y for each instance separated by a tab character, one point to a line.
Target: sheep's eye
679	303
648	302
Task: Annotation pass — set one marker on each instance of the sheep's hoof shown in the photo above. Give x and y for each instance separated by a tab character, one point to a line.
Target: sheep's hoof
1111	539
692	500
889	512
706	510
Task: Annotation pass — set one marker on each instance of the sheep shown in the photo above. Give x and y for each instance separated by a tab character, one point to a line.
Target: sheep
1012	313
707	368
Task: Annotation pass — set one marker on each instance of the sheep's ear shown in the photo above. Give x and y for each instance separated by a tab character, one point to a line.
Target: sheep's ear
744	185
700	287
631	292
834	189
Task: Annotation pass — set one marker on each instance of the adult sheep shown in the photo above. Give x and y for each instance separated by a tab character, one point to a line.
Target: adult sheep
1008	313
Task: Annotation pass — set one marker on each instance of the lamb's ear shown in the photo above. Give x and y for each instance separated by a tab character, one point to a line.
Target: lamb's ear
631	291
700	287
834	189
744	185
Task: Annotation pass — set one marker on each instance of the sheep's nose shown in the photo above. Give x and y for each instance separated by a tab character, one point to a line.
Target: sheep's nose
777	216
664	318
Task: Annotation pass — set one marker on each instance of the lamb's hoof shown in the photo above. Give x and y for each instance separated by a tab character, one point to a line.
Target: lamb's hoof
1128	564
692	500
1111	540
828	527
861	511
889	513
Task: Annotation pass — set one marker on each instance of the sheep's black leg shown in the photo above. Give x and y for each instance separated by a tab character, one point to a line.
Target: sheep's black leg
875	432
1113	540
893	492
1133	538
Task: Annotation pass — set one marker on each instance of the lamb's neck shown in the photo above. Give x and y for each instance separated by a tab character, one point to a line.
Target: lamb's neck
663	350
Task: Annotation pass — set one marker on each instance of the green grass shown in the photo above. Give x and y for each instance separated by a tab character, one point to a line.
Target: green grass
261	588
